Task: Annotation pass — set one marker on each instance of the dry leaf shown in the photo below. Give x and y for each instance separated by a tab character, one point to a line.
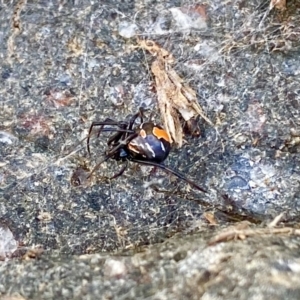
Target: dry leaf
244	231
175	98
279	4
210	217
33	253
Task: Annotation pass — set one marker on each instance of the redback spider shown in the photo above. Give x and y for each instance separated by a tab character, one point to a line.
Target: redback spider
146	144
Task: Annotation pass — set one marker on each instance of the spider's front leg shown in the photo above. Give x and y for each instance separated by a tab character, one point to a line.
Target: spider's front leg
139	114
117	152
121	133
106	122
126	128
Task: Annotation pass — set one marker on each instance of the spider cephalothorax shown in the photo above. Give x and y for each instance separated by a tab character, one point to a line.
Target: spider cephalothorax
146	143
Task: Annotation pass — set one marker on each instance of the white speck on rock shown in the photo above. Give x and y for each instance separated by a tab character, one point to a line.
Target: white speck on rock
114	268
127	30
187	18
7	138
8	244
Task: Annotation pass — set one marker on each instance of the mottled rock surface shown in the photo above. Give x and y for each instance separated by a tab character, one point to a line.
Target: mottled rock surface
65	64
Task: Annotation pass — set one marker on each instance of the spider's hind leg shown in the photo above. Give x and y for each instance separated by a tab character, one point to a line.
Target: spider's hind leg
121	171
169	170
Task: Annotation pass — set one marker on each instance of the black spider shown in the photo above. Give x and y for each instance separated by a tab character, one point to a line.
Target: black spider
147	144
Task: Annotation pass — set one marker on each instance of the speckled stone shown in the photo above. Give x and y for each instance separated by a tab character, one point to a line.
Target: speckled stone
63	64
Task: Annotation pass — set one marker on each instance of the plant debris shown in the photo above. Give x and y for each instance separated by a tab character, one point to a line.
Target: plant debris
278	4
242	231
175	98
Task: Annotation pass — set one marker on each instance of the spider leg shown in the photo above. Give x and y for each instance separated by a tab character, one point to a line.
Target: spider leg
140	114
121	171
122	125
113	151
118	135
115	138
167	169
107	121
98	165
122	143
125	129
117	130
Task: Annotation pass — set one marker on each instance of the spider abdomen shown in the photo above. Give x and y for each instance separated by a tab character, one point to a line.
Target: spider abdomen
151	144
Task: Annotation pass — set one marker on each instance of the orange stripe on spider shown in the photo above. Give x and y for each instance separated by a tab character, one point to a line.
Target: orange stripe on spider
161	134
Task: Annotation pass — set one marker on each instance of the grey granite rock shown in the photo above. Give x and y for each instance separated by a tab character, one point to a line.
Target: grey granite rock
65	64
